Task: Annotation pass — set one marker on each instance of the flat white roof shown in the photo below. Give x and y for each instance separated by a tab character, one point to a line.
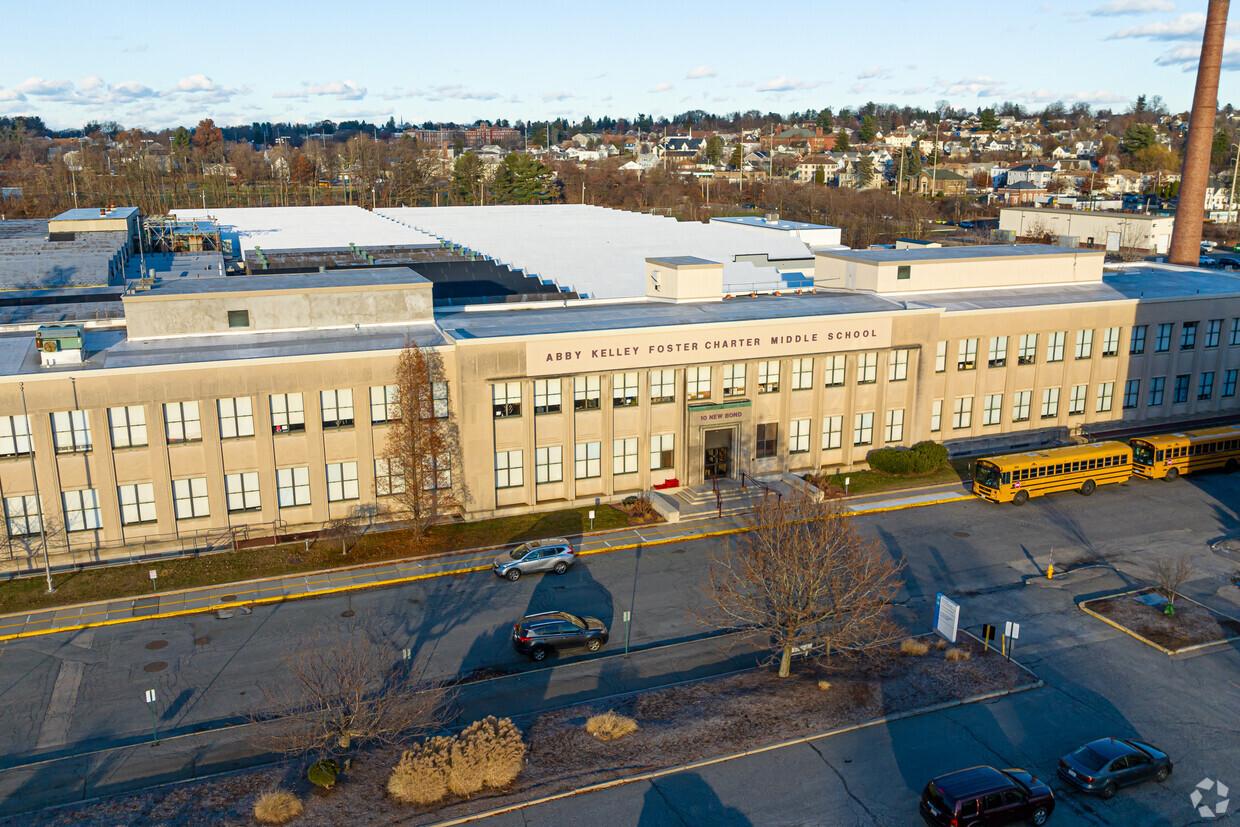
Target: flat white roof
308	228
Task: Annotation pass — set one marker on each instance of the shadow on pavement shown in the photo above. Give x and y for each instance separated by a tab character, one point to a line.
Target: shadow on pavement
685	798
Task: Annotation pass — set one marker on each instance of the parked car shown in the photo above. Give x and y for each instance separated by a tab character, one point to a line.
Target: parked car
1228	263
1105	765
1205	261
1207	246
537	555
986	796
538	635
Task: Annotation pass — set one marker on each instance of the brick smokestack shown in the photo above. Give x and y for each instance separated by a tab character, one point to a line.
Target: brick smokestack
1186	238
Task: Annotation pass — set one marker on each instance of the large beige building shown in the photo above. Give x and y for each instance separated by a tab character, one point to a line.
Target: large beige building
262	401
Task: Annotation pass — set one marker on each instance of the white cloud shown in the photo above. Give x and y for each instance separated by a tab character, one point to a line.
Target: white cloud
196	83
1122	7
11	95
784	84
1187	56
982	86
699	72
201	89
135	49
1189	26
454	91
874	71
914	90
341	90
1098	97
548	97
746	83
41	87
660	87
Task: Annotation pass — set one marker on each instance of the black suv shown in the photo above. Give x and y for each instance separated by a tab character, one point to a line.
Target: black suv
541	634
985	796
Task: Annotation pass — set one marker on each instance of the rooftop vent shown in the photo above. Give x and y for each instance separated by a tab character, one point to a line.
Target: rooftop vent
60	344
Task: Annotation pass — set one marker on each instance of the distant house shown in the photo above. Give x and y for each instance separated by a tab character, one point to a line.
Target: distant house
1039	174
941	182
813	140
1022	192
683	147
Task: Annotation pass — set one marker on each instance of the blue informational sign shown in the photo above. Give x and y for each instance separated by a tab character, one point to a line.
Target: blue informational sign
946	616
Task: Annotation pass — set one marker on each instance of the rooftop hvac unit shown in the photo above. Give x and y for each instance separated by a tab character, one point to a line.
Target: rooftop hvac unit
59	344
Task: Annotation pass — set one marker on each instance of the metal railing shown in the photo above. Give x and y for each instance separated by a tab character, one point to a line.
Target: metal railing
766	489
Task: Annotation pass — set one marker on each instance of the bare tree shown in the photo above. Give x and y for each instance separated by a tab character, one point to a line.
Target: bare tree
1170	573
350	528
803	578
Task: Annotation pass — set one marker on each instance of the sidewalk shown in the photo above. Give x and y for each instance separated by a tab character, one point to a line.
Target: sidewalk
238	597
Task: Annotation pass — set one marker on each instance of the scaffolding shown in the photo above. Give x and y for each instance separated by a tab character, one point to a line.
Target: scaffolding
169	234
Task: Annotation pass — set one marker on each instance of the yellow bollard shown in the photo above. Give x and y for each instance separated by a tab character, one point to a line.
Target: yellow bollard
1050	571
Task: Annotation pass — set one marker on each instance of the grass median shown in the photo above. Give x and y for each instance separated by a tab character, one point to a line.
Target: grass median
878	482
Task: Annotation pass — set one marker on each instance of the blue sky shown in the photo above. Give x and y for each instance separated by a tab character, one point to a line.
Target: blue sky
158	66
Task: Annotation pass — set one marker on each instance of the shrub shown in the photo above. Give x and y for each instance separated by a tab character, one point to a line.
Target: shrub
955	654
497	744
466	767
940	644
644	509
421	776
912	646
610	727
928	456
629	501
277	807
323	773
891	461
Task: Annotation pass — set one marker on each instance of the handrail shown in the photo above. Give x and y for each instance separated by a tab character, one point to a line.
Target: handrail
714	482
766	489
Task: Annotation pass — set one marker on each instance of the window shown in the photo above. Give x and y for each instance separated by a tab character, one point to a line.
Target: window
189	498
1054	346
662	454
588	460
1103	402
766	446
1156	390
998	352
1110	342
242	492
802	374
1229	383
962	413
624	455
22	515
1163	341
439	400
337	408
236	417
832	432
128	426
1050	403
798	436
1205	387
623	389
137	503
867	368
342	481
1214	330
1180	393
863	429
1234	338
992	414
509	471
182	422
288	413
436	472
697	382
1020	406
238	318
1084	344
1136	345
904	271
940	357
1076	400
14	436
293	486
834	374
734	380
383	407
894	431
936	415
549	464
548	396
587	393
1132	391
967	357
388	479
768	377
662	386
82	510
71	430
506	399
1027	353
897	366
1188	336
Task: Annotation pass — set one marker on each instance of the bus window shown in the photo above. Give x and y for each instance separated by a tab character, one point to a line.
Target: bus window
1007	477
1158	456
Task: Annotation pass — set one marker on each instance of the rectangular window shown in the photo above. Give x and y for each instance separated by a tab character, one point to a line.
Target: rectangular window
867	368
662	451
587	393
288	413
436	472
1136	345
388	480
863	429
1050	403
182	422
936	415
766	445
1132	393
548	396
1105	391
802	374
1214	330
242	492
966	358
624	389
624	455
1020	406
897	366
904	271
342	481
662	386
509	471
1084	344
1229	383
1234	338
236	417
337	408
998	352
768	377
549	464
734	379
505	399
82	510
22	515
1188	336
1180	394
128	426
14	436
238	318
1110	342
832	432
1205	387
940	357
798	436
383	407
137	503
1162	343
1054	346
962	413
439	400
293	486
697	382
833	376
71	430
587	460
894	431
1076	400
1156	390
992	414
1027	353
189	498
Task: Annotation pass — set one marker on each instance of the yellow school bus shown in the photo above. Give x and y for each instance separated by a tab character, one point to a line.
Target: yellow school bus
1166	456
1015	478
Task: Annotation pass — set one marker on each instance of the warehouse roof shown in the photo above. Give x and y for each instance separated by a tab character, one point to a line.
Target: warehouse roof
300	228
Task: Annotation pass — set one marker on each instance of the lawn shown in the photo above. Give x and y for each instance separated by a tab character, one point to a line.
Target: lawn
876	482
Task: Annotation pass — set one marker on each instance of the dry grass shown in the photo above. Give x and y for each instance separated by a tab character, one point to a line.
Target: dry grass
940	644
1192	624
421	777
610	727
955	655
277	807
499	743
912	646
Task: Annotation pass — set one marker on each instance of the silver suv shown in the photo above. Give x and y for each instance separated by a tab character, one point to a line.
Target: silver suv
537	555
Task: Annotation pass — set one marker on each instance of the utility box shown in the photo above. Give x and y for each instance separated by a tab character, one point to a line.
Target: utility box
60	344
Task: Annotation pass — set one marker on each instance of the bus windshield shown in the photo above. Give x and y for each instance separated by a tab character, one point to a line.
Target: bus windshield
984	473
1142	452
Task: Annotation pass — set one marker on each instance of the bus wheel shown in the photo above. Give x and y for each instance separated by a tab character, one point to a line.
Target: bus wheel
1172	474
1088	487
1231	466
1020	498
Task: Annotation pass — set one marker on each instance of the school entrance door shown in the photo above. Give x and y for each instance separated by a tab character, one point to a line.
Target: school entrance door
718	447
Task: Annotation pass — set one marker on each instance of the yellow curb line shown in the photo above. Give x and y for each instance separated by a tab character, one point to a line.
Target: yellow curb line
1169	652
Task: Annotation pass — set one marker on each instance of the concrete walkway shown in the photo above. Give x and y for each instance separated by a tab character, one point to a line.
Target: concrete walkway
239	597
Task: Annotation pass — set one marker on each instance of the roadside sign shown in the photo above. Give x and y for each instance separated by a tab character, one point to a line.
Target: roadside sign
150	696
626	617
152	574
1011	630
946	616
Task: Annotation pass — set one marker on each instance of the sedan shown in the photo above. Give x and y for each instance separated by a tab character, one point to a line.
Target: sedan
1229	263
538	555
538	635
1105	765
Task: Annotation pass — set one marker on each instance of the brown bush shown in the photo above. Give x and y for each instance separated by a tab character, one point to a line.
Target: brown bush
497	742
912	646
824	685
277	807
940	644
421	776
955	654
610	727
466	767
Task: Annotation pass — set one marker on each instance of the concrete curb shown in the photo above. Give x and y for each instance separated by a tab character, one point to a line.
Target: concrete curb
1196	647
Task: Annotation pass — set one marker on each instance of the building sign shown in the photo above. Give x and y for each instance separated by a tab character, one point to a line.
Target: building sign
729	413
678	346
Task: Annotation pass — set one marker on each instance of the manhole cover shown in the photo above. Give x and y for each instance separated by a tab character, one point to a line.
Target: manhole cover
348	613
229	598
155	666
960	534
156	644
415	601
201	641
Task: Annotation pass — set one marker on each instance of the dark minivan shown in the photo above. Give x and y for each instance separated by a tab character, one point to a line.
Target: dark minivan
986	796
